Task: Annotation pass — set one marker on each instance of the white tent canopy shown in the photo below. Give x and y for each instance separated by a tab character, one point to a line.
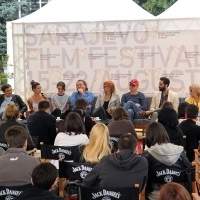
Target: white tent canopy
87	10
182	15
59	14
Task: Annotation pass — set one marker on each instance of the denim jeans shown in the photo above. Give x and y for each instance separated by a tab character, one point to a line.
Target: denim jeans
132	110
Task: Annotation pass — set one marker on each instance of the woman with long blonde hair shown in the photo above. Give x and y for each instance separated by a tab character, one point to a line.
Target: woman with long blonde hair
98	147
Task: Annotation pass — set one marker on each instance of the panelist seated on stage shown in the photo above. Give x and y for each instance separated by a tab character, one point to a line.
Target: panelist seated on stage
82	92
12	115
8	97
107	101
34	100
16	165
43	124
134	101
60	102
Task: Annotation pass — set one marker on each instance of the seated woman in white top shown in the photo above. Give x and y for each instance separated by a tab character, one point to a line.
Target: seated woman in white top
107	101
60	102
74	133
36	97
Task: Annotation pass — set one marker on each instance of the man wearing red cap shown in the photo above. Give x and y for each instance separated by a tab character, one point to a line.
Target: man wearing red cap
134	101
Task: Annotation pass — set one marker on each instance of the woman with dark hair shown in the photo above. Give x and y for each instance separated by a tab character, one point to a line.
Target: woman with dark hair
82	92
107	101
163	158
169	119
73	135
174	191
181	111
121	124
60	102
12	115
36	97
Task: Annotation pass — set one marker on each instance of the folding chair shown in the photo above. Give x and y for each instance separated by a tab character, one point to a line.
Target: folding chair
56	152
4	145
11	192
114	139
110	193
75	171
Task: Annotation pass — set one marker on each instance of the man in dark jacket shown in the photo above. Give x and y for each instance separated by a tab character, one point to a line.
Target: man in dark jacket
8	97
42	124
191	130
121	169
43	180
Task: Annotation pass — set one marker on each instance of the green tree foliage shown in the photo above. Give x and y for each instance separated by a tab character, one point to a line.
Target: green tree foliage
9	10
155	7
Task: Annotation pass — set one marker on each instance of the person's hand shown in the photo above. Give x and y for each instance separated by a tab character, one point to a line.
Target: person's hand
80	90
19	115
137	104
108	110
89	106
44	95
93	119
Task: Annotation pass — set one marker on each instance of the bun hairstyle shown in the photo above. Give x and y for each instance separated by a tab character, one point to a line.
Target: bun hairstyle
34	84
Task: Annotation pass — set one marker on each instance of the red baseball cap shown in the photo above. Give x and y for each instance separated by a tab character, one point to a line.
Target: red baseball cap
134	82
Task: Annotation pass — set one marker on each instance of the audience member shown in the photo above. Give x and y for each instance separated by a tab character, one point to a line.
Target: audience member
42	124
2	152
74	134
134	101
191	130
34	100
12	114
82	92
181	111
60	102
194	97
16	165
81	104
7	97
174	191
121	169
169	119
107	101
98	146
44	180
121	124
164	94
162	156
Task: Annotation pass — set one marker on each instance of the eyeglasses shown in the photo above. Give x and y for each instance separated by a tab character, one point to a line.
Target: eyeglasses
105	86
132	85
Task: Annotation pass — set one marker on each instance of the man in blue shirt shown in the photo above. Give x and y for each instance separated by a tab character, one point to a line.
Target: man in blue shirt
82	92
134	101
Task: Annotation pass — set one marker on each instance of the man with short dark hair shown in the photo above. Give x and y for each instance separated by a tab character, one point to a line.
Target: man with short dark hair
191	130
164	94
121	169
8	97
44	181
16	165
42	124
81	104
